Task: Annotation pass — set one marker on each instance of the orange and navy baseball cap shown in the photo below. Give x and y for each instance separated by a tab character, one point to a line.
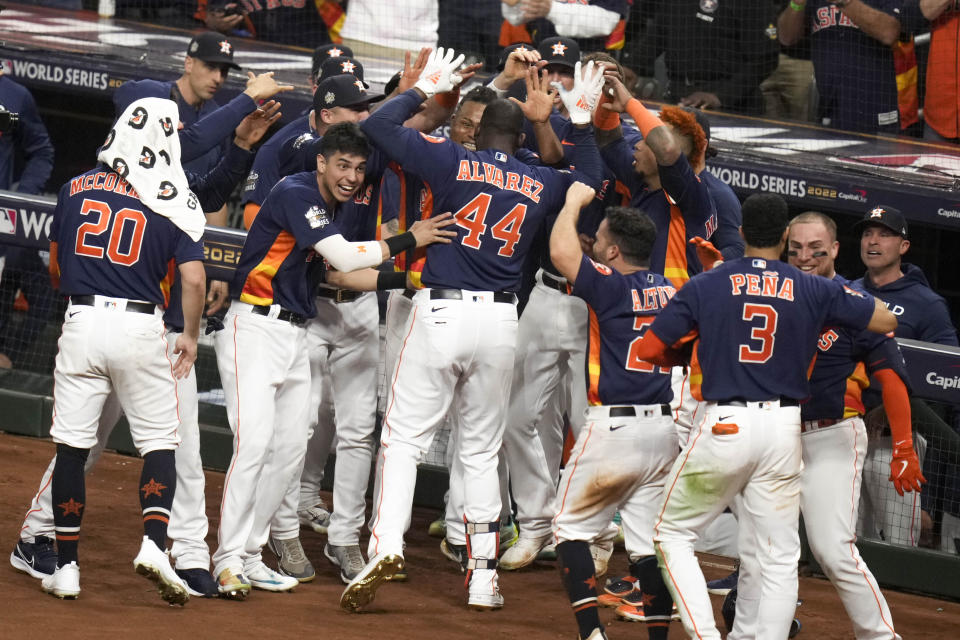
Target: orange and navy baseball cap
338	65
523	46
344	90
560	50
325	51
212	48
884	216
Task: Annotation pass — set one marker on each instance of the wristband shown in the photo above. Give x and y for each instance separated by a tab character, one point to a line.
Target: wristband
401	243
448	99
391	280
797	7
604	119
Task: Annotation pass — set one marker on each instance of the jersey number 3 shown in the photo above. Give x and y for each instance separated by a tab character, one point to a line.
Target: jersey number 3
471	218
125	218
763	334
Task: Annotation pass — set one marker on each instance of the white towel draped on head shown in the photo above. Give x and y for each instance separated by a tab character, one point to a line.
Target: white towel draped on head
144	148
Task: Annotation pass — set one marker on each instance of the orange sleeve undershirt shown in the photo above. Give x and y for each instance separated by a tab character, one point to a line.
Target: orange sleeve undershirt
653	349
896	402
644	118
250	212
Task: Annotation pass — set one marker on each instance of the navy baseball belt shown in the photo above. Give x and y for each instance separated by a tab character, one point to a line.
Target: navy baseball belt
551	281
285	315
338	295
813	425
457	294
136	307
742	402
629	412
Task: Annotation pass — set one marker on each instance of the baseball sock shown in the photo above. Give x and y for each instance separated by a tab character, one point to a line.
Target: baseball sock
576	573
657	601
69	492
158	481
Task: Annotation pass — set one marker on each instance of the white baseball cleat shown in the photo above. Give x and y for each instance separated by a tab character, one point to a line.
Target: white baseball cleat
154	564
64	583
524	551
483	593
260	576
362	589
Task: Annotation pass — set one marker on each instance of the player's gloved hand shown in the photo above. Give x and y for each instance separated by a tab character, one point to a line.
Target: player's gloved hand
587	84
439	74
905	471
708	254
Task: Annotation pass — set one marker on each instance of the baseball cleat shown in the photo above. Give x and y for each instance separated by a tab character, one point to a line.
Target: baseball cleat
291	559
362	589
607	600
316	517
600	552
64	582
620	587
262	577
525	551
348	557
509	534
455	552
37	558
632	608
154	564
232	585
483	593
723	586
199	582
596	634
438	528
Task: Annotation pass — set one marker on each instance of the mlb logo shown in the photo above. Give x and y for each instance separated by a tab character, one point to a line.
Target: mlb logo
7	66
759	263
500	156
8	221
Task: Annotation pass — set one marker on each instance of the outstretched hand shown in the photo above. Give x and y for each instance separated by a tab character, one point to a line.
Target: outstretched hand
905	473
708	254
539	101
440	73
263	86
411	72
581	100
432	230
252	128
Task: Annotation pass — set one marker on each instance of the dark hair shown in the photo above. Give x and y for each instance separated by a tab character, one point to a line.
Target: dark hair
479	94
344	137
633	232
764	220
501	117
815	216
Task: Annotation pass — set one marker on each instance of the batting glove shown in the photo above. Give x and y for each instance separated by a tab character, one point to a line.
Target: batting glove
587	86
708	254
439	75
905	471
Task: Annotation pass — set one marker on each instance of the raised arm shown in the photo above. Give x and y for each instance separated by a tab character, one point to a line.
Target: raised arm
791	25
565	251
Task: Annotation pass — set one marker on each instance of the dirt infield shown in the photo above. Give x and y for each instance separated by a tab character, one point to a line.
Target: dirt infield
117	603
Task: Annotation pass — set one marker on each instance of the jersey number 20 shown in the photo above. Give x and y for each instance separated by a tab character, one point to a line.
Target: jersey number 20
97	227
472	215
763	333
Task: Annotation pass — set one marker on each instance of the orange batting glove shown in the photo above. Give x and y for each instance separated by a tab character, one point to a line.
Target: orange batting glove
905	471
708	254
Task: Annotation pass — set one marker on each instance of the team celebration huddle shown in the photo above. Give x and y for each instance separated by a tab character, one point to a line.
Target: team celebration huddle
560	267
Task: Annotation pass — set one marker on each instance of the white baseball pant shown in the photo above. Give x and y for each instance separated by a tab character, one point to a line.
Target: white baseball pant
466	347
616	463
752	451
552	344
686	408
265	373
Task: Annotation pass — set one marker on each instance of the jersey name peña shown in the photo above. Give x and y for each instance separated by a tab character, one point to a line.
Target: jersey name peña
766	286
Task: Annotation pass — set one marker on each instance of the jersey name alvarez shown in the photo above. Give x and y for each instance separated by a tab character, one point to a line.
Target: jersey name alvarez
470	171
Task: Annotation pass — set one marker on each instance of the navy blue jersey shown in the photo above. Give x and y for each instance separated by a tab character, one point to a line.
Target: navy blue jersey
203	139
681	209
839	351
278	264
265	172
856	78
727	237
109	243
758	323
621	309
498	201
29	138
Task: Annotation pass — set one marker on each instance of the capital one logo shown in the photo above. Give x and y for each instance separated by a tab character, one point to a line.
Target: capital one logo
943	382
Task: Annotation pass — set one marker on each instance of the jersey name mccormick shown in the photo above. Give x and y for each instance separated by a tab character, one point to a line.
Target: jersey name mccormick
102	181
470	171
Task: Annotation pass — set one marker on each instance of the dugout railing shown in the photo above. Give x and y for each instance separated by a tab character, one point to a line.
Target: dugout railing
26	396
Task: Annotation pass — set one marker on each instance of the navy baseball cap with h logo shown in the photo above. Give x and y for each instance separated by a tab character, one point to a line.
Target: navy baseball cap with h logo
885	216
212	48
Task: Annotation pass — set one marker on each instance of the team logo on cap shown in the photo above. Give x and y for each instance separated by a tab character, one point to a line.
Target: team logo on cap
559	48
347	66
138	119
359	85
110	138
329	97
165	156
147	158
334	52
168	127
877	212
121	167
194	46
167	191
225	47
522	49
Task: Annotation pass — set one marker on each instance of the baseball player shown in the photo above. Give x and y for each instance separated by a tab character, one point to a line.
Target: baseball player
34	553
262	355
462	332
628	441
758	321
834	442
114	231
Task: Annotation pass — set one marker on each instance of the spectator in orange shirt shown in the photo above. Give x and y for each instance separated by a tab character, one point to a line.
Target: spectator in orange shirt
941	109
